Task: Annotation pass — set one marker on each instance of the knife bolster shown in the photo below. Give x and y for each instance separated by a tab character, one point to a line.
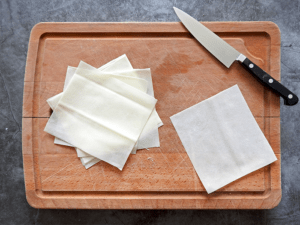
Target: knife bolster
241	58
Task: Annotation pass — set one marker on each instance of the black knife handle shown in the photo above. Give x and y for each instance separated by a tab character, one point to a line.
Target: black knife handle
289	97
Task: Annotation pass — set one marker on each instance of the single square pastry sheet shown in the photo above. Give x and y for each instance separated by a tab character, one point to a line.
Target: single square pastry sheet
222	139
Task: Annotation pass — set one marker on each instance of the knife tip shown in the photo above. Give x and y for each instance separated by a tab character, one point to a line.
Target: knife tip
177	10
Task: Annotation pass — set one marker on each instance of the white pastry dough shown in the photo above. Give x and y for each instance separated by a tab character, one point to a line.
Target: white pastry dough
150	136
132	80
121	66
222	139
81	153
102	116
86	159
91	163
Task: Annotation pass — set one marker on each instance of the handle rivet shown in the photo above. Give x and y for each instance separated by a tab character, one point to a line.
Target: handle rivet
270	81
290	96
251	65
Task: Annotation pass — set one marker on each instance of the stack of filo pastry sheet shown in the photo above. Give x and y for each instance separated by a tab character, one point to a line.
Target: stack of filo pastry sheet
105	113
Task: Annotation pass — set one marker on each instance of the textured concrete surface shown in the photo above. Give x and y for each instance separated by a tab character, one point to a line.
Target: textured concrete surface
17	19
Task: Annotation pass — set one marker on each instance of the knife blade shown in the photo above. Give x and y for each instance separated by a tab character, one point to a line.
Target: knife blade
226	54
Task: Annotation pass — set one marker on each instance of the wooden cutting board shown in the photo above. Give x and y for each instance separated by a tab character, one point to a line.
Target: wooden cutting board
184	73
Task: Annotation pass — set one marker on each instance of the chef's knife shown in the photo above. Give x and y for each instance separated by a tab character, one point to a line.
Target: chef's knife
226	54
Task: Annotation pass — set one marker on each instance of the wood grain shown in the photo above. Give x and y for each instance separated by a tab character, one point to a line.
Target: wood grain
184	73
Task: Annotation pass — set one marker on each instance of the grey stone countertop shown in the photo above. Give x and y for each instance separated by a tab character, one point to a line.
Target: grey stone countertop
17	19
